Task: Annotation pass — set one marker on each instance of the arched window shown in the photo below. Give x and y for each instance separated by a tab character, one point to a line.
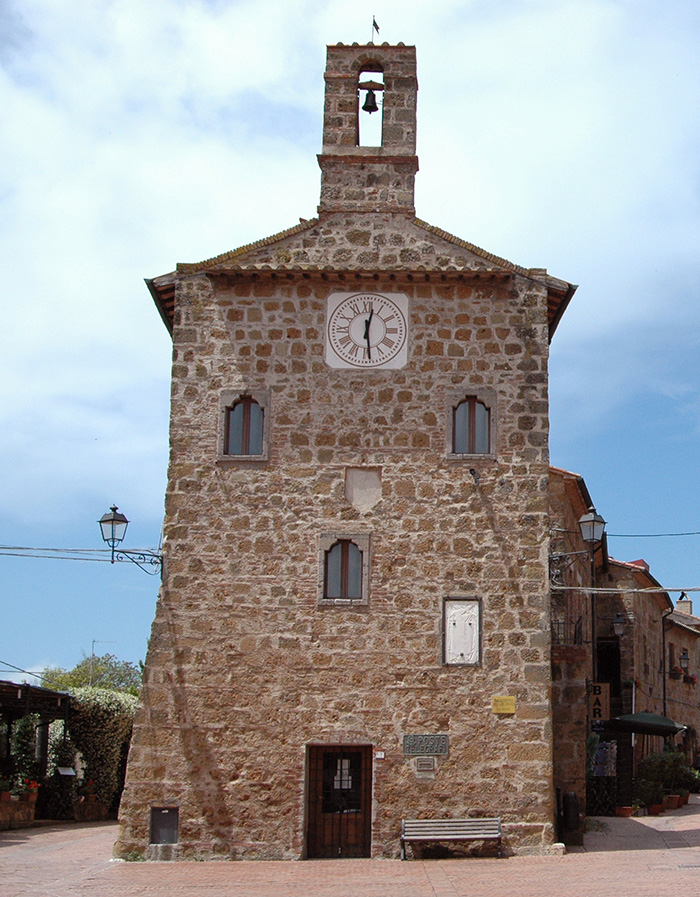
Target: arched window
244	427
471	428
343	571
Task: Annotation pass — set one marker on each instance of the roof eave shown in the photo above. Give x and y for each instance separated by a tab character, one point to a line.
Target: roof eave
559	294
162	290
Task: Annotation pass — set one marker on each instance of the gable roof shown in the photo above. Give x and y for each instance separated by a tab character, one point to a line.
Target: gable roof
300	250
640	571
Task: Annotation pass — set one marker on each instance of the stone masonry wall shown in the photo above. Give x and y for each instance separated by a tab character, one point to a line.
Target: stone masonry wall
360	178
344	66
571	655
244	668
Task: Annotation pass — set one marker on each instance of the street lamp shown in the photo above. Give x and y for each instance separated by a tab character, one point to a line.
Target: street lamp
592	528
113	527
684	660
618	624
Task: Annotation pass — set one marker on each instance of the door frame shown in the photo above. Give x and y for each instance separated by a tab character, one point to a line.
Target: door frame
313	815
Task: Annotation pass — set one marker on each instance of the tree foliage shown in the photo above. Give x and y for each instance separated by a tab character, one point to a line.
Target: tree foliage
96	671
670	769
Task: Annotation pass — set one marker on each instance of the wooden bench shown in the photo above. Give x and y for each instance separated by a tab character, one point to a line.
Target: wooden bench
486	829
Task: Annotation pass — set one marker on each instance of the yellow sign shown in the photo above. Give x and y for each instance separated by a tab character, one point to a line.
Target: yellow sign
599	701
504	704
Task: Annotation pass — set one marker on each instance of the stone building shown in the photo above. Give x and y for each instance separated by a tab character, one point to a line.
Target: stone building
626	637
354	620
654	665
572	656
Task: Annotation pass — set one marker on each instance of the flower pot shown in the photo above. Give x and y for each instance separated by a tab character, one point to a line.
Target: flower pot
671	801
623	811
5	796
655	809
29	796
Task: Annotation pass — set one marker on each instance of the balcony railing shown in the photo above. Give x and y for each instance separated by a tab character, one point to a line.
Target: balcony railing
567	632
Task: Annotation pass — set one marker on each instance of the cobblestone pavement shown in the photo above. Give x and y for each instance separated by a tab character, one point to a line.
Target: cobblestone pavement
647	856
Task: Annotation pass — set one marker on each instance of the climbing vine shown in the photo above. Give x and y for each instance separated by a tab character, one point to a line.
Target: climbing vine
99	726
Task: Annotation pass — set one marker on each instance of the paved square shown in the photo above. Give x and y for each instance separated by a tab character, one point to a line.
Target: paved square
647	856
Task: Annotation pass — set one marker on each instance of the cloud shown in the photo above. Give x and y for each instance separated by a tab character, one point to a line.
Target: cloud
557	133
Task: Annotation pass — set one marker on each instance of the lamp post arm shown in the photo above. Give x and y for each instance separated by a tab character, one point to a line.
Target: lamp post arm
150	562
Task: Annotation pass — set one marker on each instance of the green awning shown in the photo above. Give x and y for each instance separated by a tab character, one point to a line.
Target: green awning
645	723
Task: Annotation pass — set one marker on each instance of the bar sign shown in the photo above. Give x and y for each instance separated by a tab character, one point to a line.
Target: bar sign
599	701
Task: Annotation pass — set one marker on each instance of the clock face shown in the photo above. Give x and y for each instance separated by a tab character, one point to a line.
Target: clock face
367	330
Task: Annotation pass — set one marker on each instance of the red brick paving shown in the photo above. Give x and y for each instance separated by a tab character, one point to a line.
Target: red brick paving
648	856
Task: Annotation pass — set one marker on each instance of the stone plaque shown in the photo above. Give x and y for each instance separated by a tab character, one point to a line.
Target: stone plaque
504	704
425	764
425	745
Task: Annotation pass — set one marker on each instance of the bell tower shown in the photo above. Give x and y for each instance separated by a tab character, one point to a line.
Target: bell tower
359	178
357	505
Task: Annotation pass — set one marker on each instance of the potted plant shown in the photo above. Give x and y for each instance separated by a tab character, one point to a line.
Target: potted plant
671	801
5	789
675	673
624	811
87	792
651	795
30	790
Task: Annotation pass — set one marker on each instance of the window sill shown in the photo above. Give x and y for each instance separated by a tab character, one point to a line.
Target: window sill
232	460
343	602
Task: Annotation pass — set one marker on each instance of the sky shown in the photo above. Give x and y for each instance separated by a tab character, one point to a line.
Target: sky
555	133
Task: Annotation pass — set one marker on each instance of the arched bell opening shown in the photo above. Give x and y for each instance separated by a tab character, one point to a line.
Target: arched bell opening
370	105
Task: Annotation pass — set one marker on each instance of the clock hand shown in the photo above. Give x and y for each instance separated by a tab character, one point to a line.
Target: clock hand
366	337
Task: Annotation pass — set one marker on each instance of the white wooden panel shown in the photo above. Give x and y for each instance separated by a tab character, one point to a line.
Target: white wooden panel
462	637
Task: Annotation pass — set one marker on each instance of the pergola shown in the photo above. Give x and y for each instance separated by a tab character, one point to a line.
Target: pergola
18	700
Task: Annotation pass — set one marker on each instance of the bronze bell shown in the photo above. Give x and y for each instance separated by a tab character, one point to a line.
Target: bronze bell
370	104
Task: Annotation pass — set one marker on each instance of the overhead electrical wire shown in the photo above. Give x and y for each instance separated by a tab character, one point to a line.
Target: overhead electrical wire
58	554
572	532
649	535
11	666
616	591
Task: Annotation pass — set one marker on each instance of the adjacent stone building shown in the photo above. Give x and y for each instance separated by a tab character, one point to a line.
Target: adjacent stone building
653	665
614	628
572	655
354	620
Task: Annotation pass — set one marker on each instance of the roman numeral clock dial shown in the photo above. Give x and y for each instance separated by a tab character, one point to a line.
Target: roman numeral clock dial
367	330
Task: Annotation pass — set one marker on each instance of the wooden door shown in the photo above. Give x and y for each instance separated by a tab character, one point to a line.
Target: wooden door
340	801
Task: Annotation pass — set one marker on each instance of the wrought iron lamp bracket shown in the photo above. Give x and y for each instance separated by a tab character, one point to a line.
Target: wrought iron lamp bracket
150	562
559	563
